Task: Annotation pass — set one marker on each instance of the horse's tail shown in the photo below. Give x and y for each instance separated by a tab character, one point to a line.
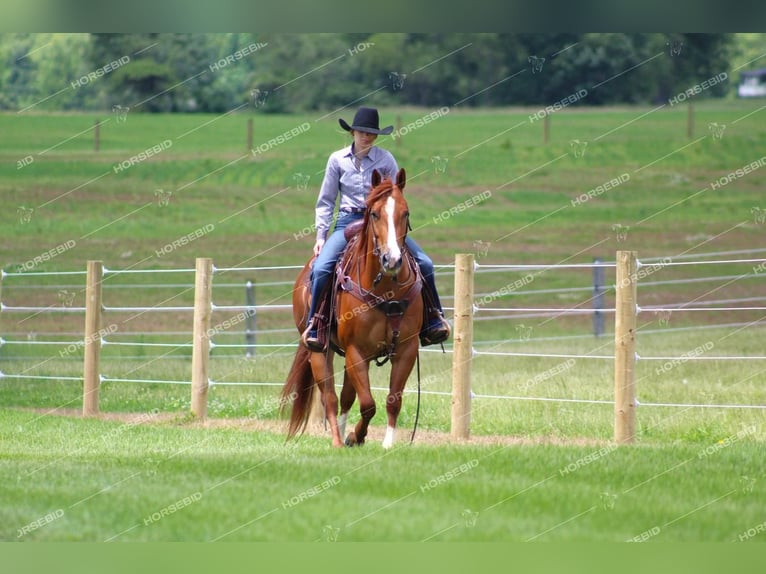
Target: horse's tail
299	390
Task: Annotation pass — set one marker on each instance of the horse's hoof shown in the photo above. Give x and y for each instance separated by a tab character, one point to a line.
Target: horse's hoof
351	439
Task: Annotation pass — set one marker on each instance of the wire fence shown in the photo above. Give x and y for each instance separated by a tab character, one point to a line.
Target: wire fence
483	311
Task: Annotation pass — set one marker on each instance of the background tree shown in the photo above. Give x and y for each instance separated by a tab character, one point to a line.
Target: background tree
293	72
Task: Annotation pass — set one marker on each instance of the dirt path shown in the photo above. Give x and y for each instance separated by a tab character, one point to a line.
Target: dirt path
376	432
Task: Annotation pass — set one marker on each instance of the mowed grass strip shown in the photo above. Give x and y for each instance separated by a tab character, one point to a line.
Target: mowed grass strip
99	480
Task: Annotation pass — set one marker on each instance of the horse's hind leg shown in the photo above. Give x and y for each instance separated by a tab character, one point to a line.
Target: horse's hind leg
347	398
321	368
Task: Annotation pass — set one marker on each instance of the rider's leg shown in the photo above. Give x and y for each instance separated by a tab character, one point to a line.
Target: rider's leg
321	275
435	329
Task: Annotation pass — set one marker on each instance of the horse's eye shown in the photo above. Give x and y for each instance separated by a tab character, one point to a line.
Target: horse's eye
374	215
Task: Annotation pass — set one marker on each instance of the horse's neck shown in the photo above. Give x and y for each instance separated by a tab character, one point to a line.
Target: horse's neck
367	265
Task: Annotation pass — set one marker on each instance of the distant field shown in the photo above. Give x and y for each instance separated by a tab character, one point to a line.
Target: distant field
255	201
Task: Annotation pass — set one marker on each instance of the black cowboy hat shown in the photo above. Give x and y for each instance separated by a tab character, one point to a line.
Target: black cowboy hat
366	120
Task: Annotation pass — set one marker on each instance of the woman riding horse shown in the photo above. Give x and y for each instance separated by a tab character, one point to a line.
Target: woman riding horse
348	174
379	314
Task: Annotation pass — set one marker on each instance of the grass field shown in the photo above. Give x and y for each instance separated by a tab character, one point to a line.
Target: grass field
694	475
110	481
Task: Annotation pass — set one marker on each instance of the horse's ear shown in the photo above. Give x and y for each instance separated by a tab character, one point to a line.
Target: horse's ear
401	179
376	178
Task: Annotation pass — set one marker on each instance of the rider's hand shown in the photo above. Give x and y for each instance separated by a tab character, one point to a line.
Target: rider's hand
318	246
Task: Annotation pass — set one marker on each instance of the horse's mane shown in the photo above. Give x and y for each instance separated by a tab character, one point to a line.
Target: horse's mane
384	188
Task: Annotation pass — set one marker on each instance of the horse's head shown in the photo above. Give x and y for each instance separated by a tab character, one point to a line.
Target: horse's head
388	218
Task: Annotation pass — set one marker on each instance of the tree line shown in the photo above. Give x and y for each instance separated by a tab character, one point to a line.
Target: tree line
173	72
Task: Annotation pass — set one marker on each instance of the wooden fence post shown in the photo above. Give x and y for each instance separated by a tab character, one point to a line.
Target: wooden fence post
91	379
462	336
625	348
203	287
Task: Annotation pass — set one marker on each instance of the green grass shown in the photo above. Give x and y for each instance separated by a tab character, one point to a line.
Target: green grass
107	480
525	379
259	216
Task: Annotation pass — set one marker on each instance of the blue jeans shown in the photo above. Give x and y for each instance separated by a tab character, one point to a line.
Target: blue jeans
324	265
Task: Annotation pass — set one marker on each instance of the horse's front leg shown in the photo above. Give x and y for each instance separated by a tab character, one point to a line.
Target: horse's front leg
357	370
401	367
321	369
347	398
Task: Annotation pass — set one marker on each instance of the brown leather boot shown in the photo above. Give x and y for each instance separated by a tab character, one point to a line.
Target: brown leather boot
310	337
436	331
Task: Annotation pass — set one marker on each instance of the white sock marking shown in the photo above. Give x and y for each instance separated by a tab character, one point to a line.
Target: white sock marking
388	441
342	424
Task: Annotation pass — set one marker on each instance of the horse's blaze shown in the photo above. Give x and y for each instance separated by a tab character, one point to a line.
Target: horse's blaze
394	252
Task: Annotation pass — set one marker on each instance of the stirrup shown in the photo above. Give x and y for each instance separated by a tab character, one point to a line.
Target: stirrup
310	338
435	335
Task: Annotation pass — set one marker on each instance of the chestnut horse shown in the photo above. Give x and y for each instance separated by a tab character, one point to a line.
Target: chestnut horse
378	315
